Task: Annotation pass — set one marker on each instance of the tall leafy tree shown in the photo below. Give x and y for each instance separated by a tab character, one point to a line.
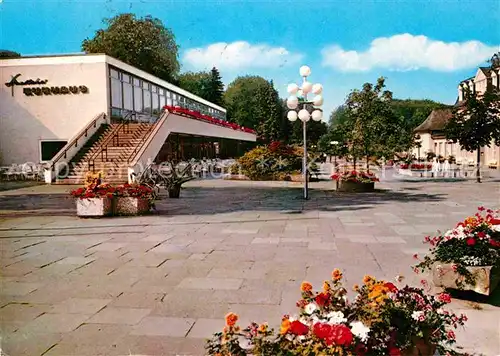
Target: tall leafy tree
476	123
243	100
195	83
142	42
372	128
214	90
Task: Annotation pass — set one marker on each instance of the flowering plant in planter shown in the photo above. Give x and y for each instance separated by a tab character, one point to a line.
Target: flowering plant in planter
94	191
473	242
382	320
355	176
134	191
416	166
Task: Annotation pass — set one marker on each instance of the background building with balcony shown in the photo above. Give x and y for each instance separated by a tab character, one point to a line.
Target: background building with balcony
431	131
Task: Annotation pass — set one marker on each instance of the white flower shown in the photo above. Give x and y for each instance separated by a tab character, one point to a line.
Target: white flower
336	317
360	330
310	308
416	315
495	228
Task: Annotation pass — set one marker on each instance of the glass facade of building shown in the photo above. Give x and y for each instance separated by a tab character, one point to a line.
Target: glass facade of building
131	94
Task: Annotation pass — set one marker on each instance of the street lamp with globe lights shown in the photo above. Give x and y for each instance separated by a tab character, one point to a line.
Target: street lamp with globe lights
307	110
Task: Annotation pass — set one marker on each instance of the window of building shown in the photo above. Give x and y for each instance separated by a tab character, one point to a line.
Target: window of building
113	73
147	101
138	99
128	97
116	93
49	148
155	102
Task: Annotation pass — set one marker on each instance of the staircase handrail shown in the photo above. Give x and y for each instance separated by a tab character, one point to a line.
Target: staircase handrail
145	138
74	141
103	147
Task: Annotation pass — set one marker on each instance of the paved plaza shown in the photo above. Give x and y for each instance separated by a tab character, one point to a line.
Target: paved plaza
160	284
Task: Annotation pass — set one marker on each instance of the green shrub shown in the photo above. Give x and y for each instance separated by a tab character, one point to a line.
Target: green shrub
275	161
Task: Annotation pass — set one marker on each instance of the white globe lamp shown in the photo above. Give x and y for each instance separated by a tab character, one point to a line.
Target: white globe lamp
292	102
306	87
317	89
305	71
292	89
318	100
304	115
317	115
292	115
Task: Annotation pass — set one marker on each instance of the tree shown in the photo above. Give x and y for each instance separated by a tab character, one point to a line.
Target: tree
476	123
195	83
371	128
214	91
5	54
270	114
244	99
144	43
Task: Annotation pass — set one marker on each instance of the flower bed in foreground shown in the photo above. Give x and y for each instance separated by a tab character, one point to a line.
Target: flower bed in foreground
381	320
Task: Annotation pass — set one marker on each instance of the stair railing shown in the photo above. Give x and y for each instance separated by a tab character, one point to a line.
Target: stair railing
78	140
113	139
145	138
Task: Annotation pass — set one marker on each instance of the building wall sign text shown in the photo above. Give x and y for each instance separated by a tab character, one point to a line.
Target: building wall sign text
46	90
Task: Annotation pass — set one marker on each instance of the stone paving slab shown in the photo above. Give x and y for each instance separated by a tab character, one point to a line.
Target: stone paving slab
160	284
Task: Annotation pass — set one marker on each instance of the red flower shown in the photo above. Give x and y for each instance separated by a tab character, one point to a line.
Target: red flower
321	330
394	351
494	243
297	328
340	335
471	241
481	234
392	288
481	208
333	334
322	299
445	298
495	221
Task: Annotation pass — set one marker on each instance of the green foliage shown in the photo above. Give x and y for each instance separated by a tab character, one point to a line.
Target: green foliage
314	131
207	85
476	123
6	54
144	43
194	82
253	102
214	91
275	161
371	127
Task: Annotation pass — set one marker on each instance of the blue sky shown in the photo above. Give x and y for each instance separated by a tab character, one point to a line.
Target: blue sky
423	47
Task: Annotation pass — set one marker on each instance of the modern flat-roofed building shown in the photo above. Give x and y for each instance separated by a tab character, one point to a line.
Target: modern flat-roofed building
91	110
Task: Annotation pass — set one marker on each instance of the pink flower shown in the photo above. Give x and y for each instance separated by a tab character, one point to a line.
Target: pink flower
450	335
481	208
415	256
454	267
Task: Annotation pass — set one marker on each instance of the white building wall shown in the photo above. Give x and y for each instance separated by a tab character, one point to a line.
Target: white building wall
26	120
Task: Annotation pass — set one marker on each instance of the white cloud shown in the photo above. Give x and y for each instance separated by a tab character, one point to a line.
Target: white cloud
406	52
238	55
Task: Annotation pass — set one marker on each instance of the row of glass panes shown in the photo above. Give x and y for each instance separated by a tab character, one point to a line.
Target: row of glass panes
134	94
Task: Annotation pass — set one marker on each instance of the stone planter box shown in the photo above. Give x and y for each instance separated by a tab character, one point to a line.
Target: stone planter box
130	206
94	207
487	278
353	187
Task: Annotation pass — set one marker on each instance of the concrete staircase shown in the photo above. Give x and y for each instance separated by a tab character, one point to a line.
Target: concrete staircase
108	151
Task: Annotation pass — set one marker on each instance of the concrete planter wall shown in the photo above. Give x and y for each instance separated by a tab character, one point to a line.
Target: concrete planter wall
355	187
94	207
130	206
486	278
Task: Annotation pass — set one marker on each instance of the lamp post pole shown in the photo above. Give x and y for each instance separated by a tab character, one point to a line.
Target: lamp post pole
304	115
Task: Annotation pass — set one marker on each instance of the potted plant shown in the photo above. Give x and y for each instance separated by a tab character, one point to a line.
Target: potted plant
133	199
174	178
468	256
95	199
355	181
382	320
